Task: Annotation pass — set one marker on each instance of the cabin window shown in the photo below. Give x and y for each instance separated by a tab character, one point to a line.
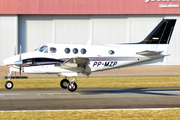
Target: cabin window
67	50
52	50
28	61
111	52
83	51
75	51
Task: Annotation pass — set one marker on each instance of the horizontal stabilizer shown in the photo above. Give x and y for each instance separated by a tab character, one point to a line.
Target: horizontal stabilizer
149	53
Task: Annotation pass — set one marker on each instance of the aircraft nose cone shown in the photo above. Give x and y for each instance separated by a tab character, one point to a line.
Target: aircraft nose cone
11	60
7	61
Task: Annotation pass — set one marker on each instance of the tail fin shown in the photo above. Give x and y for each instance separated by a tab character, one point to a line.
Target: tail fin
161	33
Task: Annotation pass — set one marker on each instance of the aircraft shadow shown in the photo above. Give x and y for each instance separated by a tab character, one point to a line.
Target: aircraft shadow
133	90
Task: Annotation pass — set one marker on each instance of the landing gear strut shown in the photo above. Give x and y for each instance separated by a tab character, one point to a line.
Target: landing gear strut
71	86
9	84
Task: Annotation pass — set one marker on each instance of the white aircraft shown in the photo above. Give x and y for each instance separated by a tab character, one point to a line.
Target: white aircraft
70	59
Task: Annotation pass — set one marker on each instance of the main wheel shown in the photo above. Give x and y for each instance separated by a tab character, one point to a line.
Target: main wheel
64	83
72	89
9	85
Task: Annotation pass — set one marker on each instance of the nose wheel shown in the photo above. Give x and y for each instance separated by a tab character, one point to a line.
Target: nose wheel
9	85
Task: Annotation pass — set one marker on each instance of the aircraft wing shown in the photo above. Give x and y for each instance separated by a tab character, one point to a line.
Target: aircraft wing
78	64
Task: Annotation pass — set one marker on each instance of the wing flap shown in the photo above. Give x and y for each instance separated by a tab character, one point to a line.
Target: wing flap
87	70
78	64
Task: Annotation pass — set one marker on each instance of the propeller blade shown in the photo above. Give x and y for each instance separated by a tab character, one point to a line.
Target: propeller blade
20	71
15	51
20	60
20	53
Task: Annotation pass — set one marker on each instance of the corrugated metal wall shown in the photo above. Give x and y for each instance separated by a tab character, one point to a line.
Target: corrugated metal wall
33	31
75	29
8	36
109	29
174	47
36	30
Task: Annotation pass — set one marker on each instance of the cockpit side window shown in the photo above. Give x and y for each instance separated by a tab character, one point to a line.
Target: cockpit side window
53	50
46	50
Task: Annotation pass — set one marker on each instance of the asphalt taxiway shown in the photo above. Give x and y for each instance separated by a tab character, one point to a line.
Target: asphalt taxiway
89	98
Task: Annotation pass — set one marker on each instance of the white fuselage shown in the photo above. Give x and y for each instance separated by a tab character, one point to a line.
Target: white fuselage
101	57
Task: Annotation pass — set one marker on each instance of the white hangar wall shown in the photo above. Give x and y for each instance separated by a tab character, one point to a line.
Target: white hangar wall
8	36
37	30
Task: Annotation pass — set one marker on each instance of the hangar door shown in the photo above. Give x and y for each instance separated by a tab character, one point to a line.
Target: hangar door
36	30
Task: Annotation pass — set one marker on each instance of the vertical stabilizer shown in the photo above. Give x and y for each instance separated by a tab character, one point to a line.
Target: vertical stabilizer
162	33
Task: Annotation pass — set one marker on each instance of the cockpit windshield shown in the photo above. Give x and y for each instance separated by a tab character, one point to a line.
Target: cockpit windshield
42	49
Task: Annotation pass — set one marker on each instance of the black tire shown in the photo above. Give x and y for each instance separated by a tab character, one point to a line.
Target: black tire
9	85
72	89
64	83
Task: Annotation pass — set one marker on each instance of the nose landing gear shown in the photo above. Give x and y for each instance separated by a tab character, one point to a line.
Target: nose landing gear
9	84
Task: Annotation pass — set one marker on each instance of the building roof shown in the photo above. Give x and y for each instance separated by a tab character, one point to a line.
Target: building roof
89	7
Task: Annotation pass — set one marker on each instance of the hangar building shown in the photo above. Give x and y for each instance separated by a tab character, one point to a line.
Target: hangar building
33	23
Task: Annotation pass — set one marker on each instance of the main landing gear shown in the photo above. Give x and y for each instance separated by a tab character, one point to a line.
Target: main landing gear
71	86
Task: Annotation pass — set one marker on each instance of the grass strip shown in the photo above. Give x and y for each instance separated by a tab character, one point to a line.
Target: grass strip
169	114
98	82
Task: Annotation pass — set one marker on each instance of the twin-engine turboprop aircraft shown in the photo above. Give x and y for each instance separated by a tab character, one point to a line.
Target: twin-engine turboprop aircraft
70	59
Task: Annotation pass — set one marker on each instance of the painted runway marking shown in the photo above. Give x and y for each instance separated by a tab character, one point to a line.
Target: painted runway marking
3	74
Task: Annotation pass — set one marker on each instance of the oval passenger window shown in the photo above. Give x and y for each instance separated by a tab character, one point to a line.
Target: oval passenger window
67	50
83	51
75	50
111	52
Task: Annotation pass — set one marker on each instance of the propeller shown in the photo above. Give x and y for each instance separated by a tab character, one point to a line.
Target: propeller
15	53
20	67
